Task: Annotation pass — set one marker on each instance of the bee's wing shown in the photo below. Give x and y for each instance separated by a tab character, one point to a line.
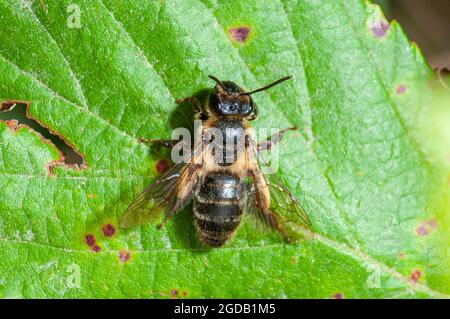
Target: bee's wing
160	196
253	211
285	212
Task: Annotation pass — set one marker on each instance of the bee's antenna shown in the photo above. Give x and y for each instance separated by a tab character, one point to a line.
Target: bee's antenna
268	86
218	82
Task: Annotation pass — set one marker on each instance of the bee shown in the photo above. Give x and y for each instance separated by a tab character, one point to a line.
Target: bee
224	180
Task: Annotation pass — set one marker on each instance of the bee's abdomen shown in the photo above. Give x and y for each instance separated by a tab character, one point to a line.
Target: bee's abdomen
216	208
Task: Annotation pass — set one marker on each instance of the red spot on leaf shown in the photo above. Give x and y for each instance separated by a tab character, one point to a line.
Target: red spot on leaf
426	227
415	276
124	256
240	34
96	248
380	29
421	231
90	240
338	295
162	166
401	89
108	230
433	224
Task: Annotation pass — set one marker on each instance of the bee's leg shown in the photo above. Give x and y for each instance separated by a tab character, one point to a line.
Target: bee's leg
274	139
165	143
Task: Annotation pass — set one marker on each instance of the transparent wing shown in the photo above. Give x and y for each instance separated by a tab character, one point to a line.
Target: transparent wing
249	205
151	203
284	208
160	196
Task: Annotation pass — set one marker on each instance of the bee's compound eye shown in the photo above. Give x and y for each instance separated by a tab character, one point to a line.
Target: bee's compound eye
214	100
246	109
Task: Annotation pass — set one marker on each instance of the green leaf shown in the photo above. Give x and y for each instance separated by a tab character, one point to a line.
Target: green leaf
377	199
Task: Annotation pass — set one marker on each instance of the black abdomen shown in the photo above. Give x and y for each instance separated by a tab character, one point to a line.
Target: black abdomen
216	208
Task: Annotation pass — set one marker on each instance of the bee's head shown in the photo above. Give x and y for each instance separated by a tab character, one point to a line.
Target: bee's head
229	99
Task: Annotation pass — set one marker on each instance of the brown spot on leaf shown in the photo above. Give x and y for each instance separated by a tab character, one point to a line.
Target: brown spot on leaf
184	293
402	255
162	166
240	34
124	256
92	196
338	295
415	275
401	89
108	230
380	28
294	260
13	125
174	293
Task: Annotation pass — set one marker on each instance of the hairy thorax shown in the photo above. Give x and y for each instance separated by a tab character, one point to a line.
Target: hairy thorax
226	142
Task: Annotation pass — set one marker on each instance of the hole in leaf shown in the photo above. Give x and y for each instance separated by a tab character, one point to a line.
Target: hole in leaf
16	112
